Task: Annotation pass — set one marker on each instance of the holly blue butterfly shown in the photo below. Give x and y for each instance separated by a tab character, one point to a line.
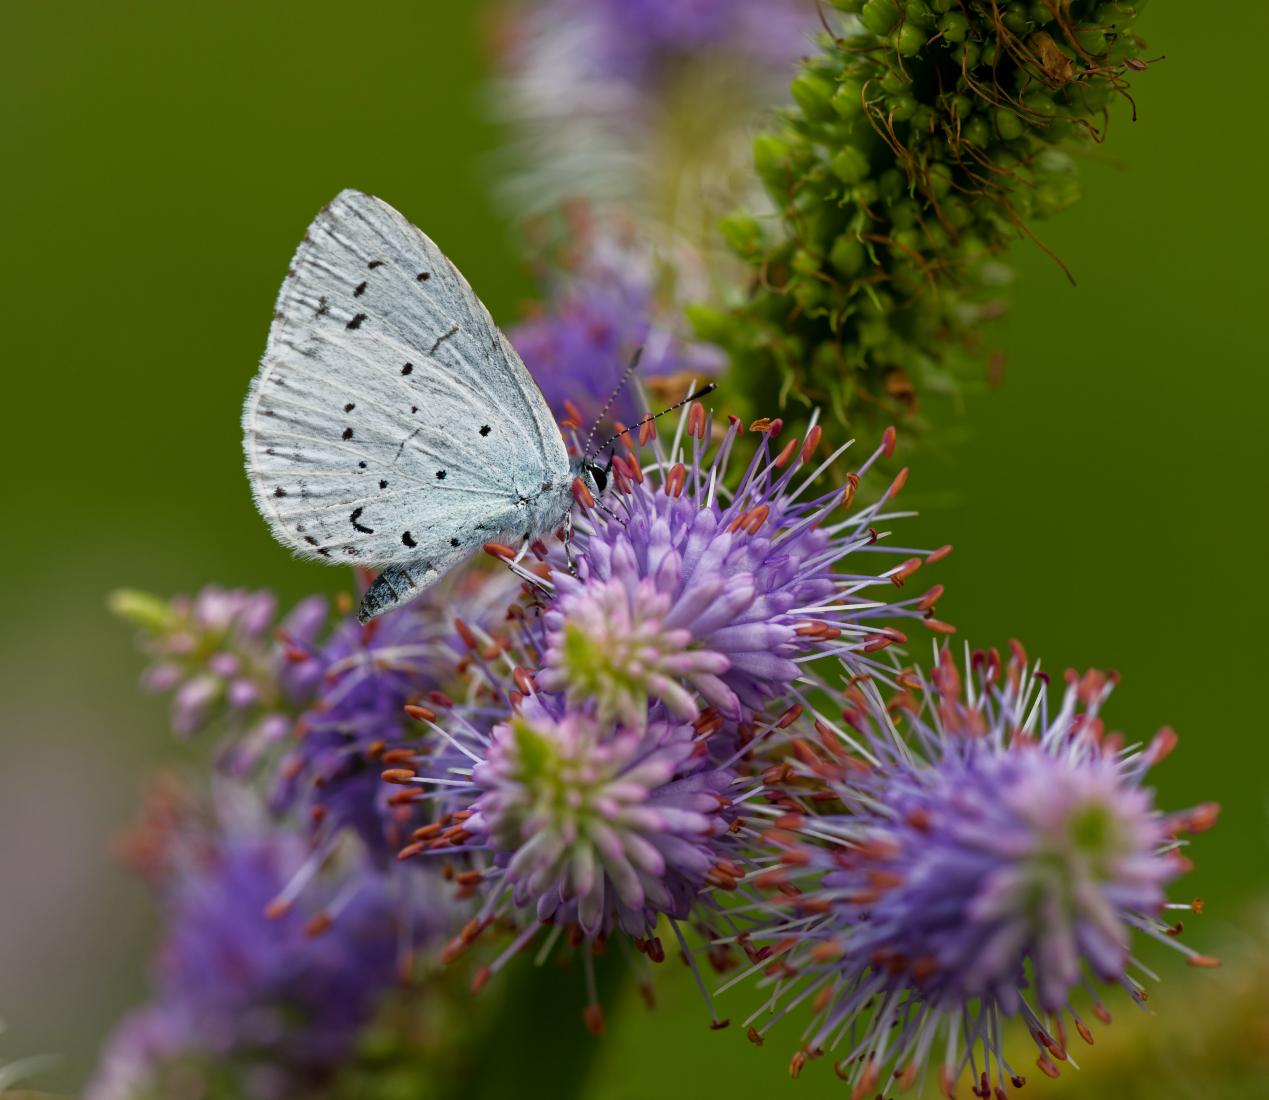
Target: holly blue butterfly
391	424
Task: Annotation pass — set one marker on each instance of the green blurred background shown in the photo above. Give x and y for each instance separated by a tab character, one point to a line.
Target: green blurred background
162	160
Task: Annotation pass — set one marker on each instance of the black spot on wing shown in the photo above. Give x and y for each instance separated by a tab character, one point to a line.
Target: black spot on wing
485	429
408	368
361	465
354	517
440	475
323	306
382	484
279	492
453	542
361	289
374	263
347	433
355	323
349	407
408	540
422	276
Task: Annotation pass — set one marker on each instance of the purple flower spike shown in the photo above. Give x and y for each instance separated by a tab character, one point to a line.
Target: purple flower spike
990	863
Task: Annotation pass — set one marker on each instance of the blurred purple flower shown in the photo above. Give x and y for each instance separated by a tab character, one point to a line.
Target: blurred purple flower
598	314
278	992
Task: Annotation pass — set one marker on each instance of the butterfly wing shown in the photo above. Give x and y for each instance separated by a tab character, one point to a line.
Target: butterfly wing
391	422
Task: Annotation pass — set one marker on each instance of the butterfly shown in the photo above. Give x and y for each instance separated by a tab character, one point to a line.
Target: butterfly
391	425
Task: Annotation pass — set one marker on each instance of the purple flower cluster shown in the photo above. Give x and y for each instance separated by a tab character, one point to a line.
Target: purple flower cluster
275	994
601	776
986	863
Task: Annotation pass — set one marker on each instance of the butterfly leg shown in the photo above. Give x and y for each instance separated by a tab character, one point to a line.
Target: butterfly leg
568	545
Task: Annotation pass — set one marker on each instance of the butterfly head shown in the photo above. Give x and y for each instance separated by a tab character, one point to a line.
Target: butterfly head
593	475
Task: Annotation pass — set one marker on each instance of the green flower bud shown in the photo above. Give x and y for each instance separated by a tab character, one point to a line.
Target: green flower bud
879	16
850	165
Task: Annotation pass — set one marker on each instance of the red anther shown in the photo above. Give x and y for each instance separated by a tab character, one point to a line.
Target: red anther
480	979
426	832
753	1036
465	632
938	555
420	714
880	641
675	480
900	480
453	950
320	923
411	850
867	1082
812	442
919	819
317	814
717	1025
524	681
797	857
647	430
828	951
570	425
1196	906
904	1077
1162	744
622	433
771	879
1085	1034
762	424
500	551
581	494
593	1017
1202	817
276	909
404	798
947	1083
805	753
794	820
399	756
905	571
774	428
927	602
887	441
789	717
399	776
1205	962
295	655
789	450
885	880
1047	1067
635	469
848	494
796	1063
938	626
572	411
755	518
696	421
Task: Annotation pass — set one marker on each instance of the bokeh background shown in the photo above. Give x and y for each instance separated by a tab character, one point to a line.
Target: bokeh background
1108	504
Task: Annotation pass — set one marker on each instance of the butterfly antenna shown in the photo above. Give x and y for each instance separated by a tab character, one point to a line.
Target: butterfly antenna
704	391
621	385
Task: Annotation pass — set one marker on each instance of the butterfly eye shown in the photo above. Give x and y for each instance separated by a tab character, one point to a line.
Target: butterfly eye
601	477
